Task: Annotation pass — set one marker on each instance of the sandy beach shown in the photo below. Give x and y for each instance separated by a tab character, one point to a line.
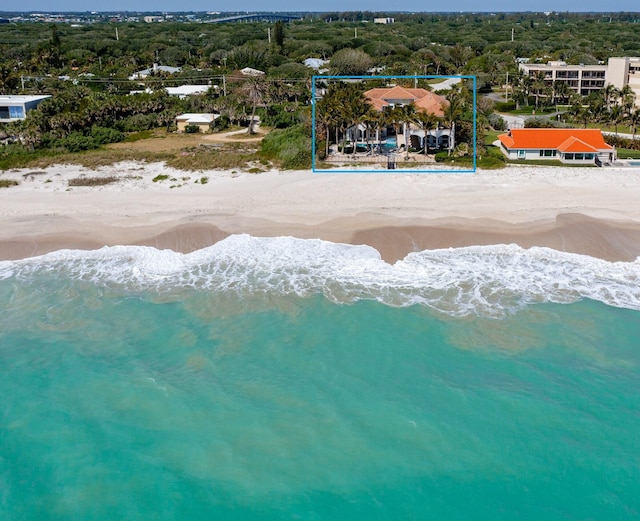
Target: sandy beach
581	210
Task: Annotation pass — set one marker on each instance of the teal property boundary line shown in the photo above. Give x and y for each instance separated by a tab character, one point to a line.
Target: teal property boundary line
314	168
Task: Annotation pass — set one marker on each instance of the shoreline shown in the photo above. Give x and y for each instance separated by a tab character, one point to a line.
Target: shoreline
587	211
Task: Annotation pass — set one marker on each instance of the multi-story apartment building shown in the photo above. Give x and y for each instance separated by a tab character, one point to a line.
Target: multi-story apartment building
585	79
582	79
625	71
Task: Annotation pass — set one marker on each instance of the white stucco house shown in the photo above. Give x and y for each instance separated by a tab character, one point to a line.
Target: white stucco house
568	145
203	121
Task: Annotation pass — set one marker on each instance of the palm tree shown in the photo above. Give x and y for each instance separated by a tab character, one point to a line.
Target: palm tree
634	121
451	114
616	115
328	115
255	90
627	98
406	115
427	122
539	87
561	91
609	94
371	121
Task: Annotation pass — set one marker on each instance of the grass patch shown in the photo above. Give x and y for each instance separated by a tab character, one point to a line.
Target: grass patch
627	153
6	183
509	108
492	135
214	156
143	134
548	162
160	177
92	181
184	153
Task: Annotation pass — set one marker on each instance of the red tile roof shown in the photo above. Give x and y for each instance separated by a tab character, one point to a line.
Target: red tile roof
562	139
423	99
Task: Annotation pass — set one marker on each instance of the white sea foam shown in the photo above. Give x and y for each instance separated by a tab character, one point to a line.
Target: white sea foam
481	279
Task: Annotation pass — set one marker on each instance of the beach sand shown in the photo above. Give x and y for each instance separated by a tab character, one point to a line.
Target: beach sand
581	210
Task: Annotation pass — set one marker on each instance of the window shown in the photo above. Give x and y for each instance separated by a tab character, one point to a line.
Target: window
522	154
568	156
579	156
4	112
547	153
16	112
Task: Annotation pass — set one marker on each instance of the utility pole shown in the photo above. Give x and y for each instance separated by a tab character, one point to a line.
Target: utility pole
355	32
512	31
269	34
117	37
224	85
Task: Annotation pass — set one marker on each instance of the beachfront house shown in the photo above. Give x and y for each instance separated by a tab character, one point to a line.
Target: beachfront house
204	122
568	145
13	108
385	99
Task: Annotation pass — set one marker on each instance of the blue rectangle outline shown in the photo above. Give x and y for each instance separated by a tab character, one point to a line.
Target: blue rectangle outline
382	171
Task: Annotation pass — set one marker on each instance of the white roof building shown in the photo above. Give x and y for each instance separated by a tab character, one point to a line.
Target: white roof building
140	75
13	108
187	90
315	63
202	120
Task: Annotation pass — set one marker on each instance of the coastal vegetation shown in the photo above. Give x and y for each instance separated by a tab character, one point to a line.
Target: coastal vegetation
88	70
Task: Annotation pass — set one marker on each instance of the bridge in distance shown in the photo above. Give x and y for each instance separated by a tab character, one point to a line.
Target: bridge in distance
256	17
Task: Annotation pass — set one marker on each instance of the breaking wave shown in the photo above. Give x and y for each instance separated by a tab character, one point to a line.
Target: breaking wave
491	280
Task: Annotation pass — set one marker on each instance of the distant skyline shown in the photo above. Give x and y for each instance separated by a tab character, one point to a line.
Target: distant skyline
329	5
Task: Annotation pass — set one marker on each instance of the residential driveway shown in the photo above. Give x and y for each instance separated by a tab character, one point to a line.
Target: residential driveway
514	121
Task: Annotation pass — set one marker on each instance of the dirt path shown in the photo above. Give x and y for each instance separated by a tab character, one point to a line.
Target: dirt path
161	141
236	136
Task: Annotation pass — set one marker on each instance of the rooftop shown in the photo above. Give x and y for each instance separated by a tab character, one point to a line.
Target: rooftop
563	139
18	98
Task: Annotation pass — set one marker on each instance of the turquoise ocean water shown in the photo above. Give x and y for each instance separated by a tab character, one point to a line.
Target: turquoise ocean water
288	379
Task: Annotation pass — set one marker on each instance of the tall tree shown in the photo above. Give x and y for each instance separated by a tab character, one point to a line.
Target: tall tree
279	34
254	89
451	114
427	122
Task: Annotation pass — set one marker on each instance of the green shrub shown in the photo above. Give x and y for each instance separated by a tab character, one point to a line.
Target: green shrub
622	142
6	183
539	123
191	129
104	135
160	177
137	123
222	123
501	106
291	147
77	142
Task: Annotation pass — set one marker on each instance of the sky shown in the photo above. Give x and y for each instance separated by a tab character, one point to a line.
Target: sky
324	5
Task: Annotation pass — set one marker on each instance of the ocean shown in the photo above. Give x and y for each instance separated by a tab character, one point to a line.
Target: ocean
300	379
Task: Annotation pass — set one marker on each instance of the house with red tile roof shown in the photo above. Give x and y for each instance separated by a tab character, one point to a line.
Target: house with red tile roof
569	145
423	99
